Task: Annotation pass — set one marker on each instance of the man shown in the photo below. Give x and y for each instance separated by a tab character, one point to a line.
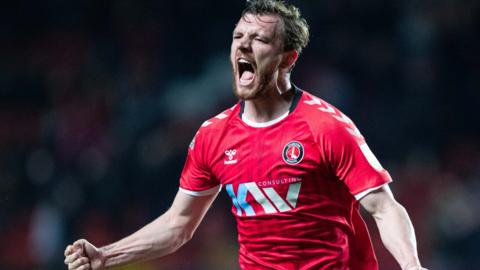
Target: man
295	167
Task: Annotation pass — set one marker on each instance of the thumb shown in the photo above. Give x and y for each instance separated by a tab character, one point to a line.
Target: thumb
79	245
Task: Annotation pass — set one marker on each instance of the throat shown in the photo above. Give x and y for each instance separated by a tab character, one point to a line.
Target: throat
266	109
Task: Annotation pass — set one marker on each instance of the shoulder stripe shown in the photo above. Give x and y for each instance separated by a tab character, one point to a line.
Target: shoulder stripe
221	116
335	113
206	123
218	117
355	132
313	101
328	109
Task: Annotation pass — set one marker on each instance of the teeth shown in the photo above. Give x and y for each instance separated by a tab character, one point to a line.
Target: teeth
243	61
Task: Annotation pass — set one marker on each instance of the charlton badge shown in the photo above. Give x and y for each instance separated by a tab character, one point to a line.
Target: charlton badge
293	152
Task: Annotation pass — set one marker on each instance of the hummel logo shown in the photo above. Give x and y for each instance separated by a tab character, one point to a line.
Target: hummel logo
230	154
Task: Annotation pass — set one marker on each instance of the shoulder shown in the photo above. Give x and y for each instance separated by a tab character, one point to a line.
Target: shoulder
326	119
221	119
320	114
218	122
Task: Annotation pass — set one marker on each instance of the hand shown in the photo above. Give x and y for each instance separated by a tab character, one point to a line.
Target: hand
82	255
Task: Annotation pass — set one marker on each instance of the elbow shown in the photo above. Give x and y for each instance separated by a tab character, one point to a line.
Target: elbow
180	238
181	234
184	236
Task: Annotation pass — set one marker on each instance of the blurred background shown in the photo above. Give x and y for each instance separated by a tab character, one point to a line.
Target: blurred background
100	99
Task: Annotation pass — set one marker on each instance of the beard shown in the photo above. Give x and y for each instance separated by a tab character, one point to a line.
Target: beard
264	80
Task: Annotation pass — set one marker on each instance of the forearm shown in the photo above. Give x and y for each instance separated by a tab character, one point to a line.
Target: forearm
397	233
161	237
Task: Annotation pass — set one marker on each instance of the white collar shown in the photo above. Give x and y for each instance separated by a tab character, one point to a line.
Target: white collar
263	124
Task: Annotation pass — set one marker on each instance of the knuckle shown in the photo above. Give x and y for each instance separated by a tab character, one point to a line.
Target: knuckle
75	263
72	257
68	250
81	261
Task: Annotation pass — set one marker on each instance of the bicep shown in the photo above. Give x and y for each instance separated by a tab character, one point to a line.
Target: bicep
378	200
188	210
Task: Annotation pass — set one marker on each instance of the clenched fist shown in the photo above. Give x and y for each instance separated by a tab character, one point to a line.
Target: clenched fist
82	255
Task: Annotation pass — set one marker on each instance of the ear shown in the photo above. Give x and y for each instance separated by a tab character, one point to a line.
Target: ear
289	59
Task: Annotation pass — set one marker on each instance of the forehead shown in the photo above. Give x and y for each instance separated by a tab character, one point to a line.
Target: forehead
259	22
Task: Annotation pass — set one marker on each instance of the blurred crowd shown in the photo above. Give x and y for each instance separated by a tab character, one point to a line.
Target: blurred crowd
100	99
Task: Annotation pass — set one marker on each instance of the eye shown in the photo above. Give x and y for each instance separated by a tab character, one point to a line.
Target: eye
237	35
262	40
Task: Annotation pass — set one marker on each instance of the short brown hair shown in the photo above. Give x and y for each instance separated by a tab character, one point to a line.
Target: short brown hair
296	33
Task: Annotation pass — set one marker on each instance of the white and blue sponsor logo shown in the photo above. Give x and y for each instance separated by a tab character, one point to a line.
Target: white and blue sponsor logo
267	197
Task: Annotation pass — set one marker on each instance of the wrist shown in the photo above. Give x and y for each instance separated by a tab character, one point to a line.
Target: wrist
99	262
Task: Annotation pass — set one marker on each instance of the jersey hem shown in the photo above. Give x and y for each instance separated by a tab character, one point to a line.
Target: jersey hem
202	193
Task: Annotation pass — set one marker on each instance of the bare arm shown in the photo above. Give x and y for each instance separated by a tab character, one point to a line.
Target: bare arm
162	236
396	229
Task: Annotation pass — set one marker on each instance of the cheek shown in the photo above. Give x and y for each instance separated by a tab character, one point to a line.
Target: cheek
266	55
267	62
233	48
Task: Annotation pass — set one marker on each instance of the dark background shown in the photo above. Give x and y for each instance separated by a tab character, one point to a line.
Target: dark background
100	99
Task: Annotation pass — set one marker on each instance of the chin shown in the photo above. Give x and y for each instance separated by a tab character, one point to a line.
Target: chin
255	89
245	93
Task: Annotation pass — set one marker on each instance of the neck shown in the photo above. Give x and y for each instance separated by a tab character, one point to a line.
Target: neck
274	103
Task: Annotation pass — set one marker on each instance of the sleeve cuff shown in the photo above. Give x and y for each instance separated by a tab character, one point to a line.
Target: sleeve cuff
362	194
201	193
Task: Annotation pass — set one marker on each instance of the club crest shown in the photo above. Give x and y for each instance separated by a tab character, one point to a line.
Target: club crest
293	153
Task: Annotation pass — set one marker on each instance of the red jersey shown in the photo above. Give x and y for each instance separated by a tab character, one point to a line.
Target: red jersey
294	184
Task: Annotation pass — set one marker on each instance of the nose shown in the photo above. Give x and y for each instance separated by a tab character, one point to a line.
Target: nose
245	44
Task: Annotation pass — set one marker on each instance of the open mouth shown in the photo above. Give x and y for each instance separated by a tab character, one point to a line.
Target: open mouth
246	71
